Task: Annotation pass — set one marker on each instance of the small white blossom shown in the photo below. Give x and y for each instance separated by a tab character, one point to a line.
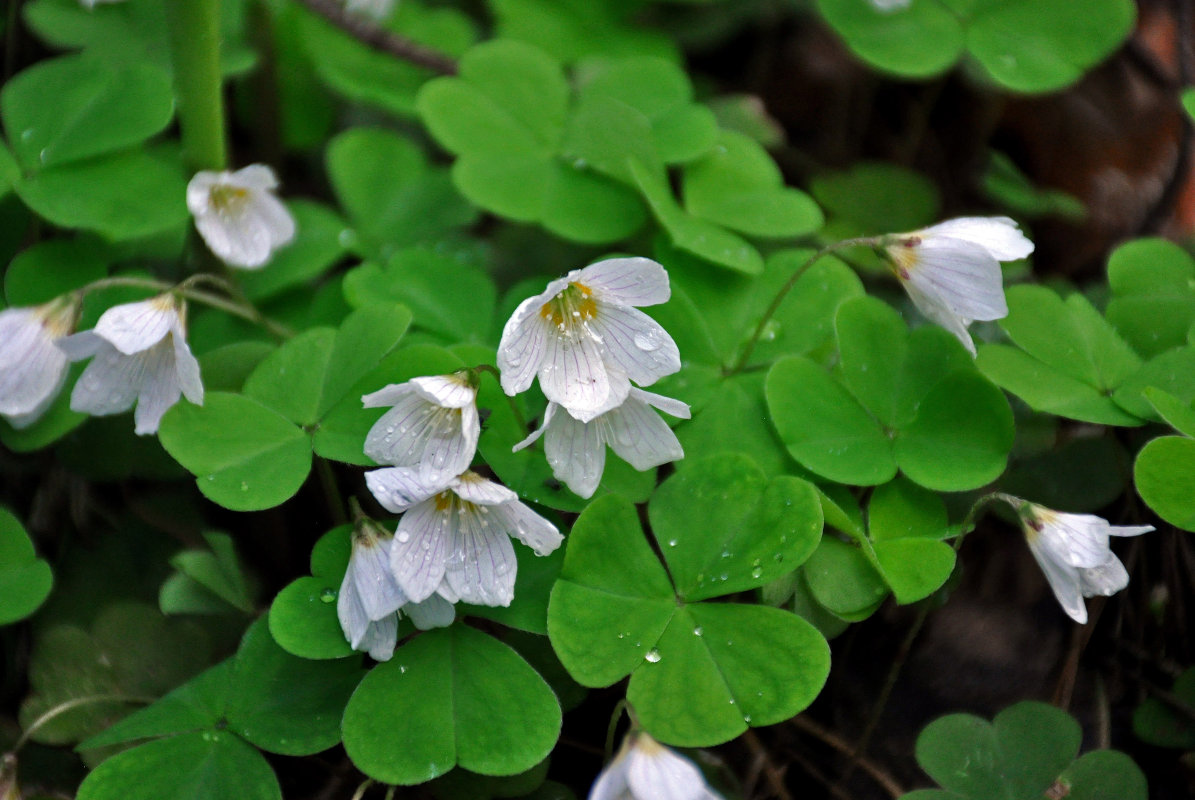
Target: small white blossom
1072	550
952	270
370	599
644	769
238	215
433	426
454	539
585	339
32	367
576	450
140	356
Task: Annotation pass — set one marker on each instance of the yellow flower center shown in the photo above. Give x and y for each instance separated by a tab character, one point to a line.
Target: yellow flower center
573	306
228	199
904	256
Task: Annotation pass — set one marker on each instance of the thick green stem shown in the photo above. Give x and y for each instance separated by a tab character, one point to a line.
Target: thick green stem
749	348
195	51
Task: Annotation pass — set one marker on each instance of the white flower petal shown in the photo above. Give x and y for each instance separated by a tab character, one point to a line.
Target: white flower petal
159	387
574	375
1063	580
237	215
626	281
1080	540
380	638
640	436
533	437
475	489
937	313
483	573
398	488
110	383
187	368
84	344
135	327
517	520
576	451
1107	579
960	276
387	396
255	176
1000	236
612	783
655	771
669	405
1129	530
421	549
32	367
636	343
372	579
523	346
449	391
351	612
434	612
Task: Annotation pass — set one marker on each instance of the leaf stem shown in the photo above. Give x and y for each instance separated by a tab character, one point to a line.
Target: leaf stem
749	348
194	27
379	38
69	705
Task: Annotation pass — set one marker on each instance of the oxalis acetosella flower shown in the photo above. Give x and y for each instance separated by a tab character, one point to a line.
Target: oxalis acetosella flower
238	216
585	338
370	600
576	450
644	769
32	367
952	270
1072	550
454	539
139	356
433	425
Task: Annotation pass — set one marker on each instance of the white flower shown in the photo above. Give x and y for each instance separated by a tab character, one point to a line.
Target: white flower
141	356
32	368
952	270
576	450
370	599
644	769
1072	550
238	215
433	426
586	341
454	539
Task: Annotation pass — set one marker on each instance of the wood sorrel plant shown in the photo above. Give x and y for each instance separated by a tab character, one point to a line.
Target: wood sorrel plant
392	289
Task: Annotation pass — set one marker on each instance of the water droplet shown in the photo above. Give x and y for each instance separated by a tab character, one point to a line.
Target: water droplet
756	572
327	596
672	542
653	655
403	537
747	718
244	486
771	331
647	343
26	134
402	669
698	631
347	238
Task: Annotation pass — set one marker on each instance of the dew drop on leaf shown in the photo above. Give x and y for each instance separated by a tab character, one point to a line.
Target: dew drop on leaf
653	655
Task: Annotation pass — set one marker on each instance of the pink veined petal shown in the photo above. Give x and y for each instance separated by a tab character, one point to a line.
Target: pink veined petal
961	276
398	488
420	549
400	436
110	383
434	612
576	451
380	638
32	367
159	387
475	489
450	448
939	314
523	346
574	375
636	343
1000	236
370	567
1107	579
485	573
626	281
1063	580
135	327
640	436
1080	540
445	390
518	521
187	367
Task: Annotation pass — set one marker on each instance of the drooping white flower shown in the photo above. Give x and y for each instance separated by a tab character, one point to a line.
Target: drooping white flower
32	367
1072	550
454	539
238	215
433	426
952	270
140	356
585	339
370	600
576	450
644	769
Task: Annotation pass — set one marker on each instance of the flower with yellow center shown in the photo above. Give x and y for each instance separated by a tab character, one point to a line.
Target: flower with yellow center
32	367
140	357
952	270
454	539
585	340
644	769
1072	550
238	216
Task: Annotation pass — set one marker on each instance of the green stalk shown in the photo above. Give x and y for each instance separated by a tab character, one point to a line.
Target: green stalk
195	51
